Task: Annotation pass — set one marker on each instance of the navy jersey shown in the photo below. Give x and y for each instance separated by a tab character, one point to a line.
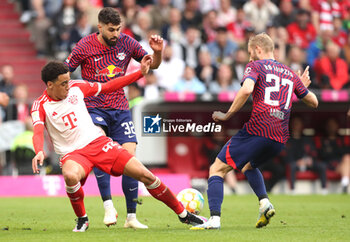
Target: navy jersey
101	64
274	85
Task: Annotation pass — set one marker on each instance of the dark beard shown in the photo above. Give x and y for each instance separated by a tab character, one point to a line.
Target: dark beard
109	42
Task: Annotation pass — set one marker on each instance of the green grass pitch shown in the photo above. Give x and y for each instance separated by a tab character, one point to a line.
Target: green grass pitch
298	218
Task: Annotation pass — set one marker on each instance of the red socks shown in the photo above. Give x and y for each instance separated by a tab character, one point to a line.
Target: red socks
76	196
161	192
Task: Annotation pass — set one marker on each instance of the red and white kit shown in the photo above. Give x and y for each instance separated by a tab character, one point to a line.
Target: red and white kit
72	131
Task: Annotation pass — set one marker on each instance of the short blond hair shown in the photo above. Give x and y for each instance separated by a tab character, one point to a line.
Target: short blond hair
262	40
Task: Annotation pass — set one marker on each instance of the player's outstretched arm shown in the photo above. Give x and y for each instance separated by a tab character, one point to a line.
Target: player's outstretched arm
156	44
120	82
310	100
241	98
38	143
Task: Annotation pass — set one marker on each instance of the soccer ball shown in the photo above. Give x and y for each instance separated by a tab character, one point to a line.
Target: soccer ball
191	199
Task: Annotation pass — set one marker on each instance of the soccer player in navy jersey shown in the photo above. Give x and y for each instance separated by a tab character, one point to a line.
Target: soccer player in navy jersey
102	57
272	85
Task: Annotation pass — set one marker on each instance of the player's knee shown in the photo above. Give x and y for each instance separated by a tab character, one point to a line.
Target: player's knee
71	177
219	168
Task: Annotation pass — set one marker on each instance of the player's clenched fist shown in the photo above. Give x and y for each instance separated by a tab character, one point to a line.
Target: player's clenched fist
156	43
219	116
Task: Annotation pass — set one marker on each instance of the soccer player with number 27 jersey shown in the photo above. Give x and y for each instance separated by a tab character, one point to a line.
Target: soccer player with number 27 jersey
272	85
82	145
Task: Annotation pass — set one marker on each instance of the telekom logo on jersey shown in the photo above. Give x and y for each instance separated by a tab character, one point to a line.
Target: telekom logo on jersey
70	120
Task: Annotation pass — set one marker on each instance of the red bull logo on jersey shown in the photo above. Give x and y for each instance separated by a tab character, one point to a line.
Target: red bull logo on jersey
110	71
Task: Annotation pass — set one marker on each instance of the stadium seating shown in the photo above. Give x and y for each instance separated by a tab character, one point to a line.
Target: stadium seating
15	44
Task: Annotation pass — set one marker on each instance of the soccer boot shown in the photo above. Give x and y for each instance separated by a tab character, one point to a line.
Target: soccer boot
134	223
82	224
111	216
266	212
212	223
193	219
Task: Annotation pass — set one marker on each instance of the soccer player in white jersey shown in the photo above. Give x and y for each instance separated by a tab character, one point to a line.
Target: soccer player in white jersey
82	145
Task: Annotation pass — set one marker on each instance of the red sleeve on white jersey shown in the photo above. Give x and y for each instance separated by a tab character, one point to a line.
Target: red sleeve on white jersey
38	112
38	118
88	88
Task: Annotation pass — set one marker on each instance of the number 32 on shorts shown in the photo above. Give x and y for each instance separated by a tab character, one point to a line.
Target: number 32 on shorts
129	129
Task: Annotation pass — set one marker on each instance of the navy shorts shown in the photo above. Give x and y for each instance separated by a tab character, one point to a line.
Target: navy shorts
244	147
118	122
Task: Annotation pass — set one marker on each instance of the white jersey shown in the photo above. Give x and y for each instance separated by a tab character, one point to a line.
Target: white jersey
67	121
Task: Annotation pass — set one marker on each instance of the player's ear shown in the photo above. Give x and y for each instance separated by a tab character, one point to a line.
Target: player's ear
99	26
49	84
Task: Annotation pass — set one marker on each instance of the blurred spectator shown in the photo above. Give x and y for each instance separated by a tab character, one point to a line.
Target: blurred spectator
324	13
346	50
191	16
249	31
134	94
190	46
260	12
296	61
173	32
286	15
141	26
151	89
318	45
335	151
236	28
22	150
223	49
224	81
189	82
85	6
82	29
301	154
63	23
111	3
210	25
20	108
4	101
205	71
7	76
166	74
331	70
129	9
339	35
238	65
159	13
281	42
208	5
301	32
226	13
44	10
26	11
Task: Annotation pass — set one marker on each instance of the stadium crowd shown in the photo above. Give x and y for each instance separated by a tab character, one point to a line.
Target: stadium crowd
205	52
